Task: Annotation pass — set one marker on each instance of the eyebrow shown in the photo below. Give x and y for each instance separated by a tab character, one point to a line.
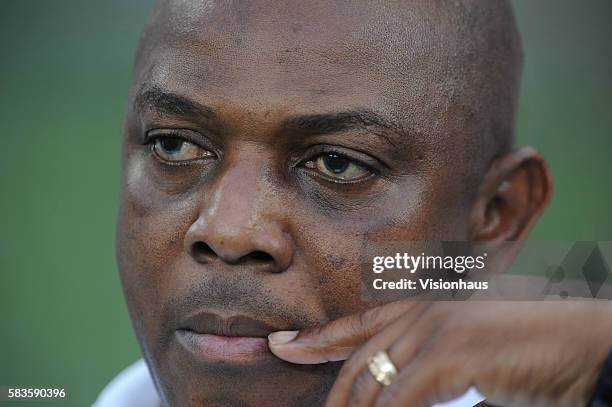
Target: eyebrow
171	103
335	122
310	124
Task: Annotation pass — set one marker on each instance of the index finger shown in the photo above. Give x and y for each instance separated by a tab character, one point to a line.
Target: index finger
337	339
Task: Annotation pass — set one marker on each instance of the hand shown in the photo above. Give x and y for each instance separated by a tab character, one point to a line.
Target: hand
515	353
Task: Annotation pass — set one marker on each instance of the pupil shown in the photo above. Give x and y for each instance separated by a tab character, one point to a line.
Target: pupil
171	144
336	163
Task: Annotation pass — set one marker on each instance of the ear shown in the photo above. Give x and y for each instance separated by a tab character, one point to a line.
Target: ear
513	194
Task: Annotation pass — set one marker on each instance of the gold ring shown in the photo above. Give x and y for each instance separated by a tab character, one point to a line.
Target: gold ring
382	368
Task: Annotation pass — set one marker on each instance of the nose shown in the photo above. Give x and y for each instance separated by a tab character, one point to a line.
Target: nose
240	222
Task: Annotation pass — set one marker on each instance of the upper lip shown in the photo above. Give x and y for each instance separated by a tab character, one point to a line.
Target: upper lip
236	325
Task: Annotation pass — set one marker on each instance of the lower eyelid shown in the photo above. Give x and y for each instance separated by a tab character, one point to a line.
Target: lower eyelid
339	181
177	163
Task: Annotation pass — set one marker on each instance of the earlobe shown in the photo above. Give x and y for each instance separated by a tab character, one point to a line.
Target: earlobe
512	196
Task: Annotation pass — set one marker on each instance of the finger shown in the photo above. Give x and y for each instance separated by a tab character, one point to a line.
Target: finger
337	339
431	377
412	334
350	376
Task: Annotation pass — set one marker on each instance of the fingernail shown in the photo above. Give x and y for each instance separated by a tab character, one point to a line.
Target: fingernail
282	337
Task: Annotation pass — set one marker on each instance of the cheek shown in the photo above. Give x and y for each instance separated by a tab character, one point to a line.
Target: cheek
150	183
336	247
150	230
151	216
333	249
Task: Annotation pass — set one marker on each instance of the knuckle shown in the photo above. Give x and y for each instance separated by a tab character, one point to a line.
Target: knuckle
371	321
319	332
363	324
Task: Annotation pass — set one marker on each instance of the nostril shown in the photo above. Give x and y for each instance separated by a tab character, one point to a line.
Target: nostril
202	252
258	256
200	249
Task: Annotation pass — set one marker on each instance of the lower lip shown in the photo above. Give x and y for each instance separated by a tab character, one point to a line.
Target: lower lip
230	349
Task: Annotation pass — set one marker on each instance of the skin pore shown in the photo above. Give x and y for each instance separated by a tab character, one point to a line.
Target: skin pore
265	142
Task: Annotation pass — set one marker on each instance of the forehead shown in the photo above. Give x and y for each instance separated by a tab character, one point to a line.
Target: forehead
303	56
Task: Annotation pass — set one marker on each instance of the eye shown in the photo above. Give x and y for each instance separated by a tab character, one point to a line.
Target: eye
175	149
338	167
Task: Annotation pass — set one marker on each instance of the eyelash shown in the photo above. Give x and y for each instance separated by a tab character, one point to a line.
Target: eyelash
151	137
316	152
322	150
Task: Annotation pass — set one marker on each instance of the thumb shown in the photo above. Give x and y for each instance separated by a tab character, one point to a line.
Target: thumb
337	339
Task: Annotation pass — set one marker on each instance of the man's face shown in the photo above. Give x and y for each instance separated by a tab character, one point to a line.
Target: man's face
261	151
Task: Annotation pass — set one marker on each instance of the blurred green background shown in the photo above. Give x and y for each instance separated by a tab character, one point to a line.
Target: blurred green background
64	74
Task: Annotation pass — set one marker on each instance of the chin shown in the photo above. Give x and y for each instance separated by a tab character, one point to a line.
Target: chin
273	383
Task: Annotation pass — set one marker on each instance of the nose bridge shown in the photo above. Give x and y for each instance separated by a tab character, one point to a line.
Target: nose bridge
235	196
239	219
